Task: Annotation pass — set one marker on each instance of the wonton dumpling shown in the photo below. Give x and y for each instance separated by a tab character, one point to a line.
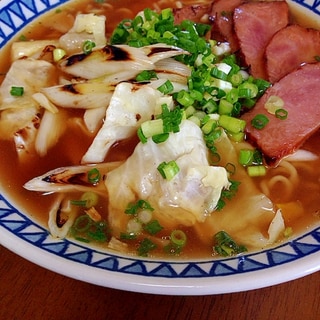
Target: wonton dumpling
186	199
248	220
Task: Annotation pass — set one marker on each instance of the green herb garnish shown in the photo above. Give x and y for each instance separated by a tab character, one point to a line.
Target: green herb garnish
225	246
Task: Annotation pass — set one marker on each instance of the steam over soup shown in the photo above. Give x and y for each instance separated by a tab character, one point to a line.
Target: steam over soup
137	129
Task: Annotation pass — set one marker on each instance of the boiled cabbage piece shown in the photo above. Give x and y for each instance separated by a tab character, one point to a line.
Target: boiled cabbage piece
130	105
188	198
20	116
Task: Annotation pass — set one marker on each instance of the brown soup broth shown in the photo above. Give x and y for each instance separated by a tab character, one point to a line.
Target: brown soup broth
69	151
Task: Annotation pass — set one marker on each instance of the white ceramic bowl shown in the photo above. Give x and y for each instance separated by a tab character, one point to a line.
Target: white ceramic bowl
22	235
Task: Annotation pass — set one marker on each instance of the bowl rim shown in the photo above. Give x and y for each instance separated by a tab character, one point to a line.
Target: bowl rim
20	234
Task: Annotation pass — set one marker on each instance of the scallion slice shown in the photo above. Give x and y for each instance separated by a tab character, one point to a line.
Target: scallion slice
16	91
79	203
146	75
259	121
58	54
91	199
245	157
178	237
281	114
166	88
234	125
94	176
249	157
152	127
82	223
224	245
145	247
168	169
231	168
153	227
159	138
134	208
256	171
87	46
273	104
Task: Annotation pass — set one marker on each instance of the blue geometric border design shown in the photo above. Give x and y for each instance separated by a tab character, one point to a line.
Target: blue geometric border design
14	15
27	230
313	5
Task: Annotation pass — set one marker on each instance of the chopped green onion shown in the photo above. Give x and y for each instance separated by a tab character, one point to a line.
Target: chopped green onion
178	237
159	138
190	111
58	54
228	194
281	114
145	247
236	137
17	91
82	239
262	85
288	232
225	246
79	203
91	199
134	226
215	72
214	156
160	128
85	229
249	157
234	125
94	176
145	216
209	126
146	75
273	104
152	127
259	121
97	236
23	38
195	120
168	169
127	236
250	88
166	88
231	168
82	223
196	95
166	14
184	98
134	208
148	14
141	135
210	106
225	107
246	157
153	227
87	46
256	171
236	79
171	119
232	96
